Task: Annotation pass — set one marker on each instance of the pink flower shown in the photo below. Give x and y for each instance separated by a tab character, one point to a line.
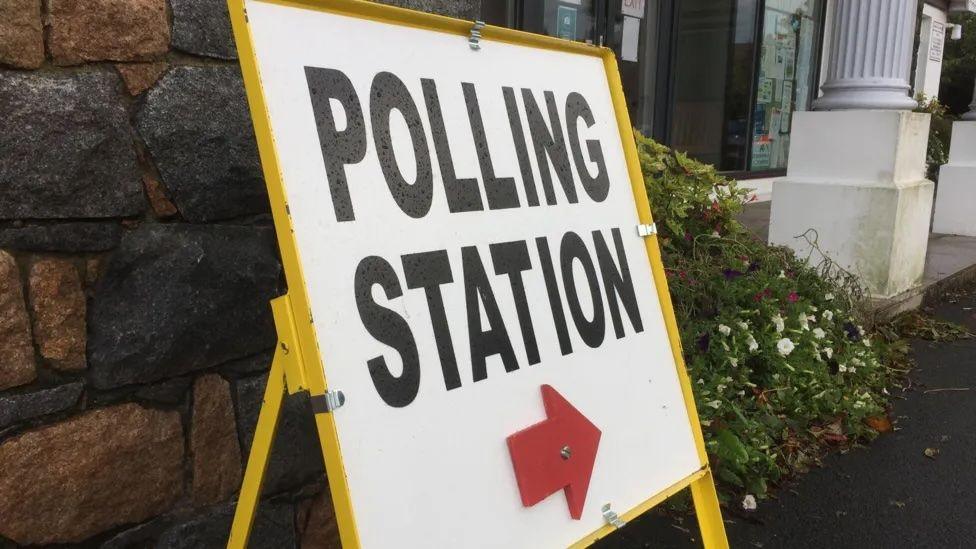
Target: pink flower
793	297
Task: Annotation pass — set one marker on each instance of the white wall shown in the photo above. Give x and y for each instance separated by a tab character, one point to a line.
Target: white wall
928	71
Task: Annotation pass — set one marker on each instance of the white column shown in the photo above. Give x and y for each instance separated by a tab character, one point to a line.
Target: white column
870	55
855	189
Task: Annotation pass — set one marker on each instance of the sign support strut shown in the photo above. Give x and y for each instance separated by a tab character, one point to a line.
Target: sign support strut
286	375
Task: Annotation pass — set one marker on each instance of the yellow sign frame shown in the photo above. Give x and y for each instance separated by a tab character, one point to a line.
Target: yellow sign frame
297	363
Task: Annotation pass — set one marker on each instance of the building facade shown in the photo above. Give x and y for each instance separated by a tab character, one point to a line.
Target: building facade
719	79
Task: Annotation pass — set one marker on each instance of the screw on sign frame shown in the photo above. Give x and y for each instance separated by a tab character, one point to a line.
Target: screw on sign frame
555	454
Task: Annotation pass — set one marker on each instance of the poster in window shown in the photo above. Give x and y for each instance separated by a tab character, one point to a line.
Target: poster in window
761	153
789	71
764	94
759	120
786	106
633	8
566	22
786	98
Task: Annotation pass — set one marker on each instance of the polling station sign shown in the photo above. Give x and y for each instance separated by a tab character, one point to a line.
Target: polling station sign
466	244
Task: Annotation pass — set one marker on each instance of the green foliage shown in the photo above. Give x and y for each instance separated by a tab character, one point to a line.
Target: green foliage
940	132
779	362
959	66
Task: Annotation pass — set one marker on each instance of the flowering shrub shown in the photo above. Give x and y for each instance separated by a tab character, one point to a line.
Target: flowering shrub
780	364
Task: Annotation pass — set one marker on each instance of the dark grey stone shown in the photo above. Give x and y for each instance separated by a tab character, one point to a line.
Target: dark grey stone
462	9
176	298
61	237
66	147
274	528
202	27
197	127
140	536
296	457
248	366
24	406
169	392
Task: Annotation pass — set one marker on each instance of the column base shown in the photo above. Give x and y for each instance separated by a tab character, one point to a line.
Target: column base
841	97
877	232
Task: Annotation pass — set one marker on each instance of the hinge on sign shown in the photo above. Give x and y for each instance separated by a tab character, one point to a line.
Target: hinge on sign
647	229
475	37
328	402
612	518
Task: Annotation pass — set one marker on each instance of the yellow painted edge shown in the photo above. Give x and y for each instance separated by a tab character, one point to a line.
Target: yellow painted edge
375	11
640	509
297	292
314	371
257	459
713	513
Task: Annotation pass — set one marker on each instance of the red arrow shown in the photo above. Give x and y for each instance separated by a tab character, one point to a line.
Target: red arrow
556	453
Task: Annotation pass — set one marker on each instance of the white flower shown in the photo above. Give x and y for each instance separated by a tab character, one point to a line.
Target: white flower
749	502
751	341
841	368
743	325
724	330
741	393
828	297
734	362
804	321
701	381
714	404
715	234
720	387
782	274
785	346
852	369
867	342
778	323
819	333
829	352
828	315
860	330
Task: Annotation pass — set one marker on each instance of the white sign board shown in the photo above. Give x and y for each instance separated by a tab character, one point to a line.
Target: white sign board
468	233
936	41
633	8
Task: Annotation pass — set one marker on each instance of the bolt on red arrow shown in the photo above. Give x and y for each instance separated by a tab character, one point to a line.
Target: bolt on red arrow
556	453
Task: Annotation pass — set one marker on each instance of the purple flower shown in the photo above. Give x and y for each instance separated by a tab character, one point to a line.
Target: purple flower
731	274
704	341
853	333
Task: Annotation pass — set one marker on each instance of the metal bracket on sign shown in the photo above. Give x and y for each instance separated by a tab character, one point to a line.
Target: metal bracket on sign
328	402
612	518
647	229
475	37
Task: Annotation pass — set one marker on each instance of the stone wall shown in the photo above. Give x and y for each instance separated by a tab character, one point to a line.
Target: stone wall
137	258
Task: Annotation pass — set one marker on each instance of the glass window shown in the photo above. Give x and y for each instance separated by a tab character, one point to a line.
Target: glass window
712	80
569	19
785	77
741	68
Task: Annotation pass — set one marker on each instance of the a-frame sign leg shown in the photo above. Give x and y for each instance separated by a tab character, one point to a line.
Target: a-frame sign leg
284	376
709	514
257	460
